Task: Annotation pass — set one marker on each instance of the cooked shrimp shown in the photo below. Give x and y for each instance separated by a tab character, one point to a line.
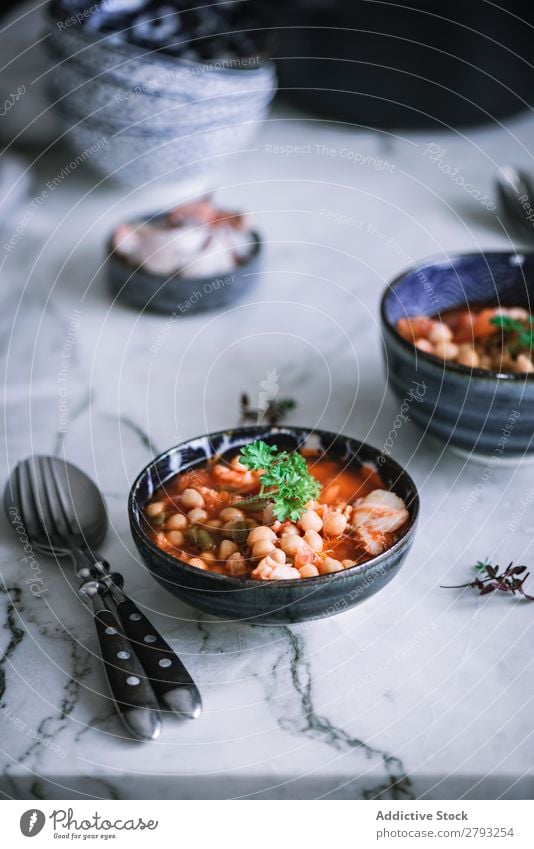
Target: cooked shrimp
482	324
234	477
272	568
415	327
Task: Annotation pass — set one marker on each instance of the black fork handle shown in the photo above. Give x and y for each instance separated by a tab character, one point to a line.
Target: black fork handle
170	679
130	688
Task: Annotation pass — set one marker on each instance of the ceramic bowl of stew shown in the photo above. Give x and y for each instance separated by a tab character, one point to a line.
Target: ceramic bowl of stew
273	601
479	412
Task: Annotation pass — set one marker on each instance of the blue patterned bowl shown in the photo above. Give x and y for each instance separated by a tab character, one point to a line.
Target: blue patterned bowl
267	602
481	414
141	116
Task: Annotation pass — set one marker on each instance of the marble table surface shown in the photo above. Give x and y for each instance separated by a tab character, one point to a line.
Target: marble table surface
420	691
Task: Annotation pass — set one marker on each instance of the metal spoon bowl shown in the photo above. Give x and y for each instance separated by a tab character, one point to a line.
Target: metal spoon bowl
516	199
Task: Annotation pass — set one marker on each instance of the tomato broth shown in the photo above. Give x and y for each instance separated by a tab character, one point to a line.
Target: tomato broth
202	517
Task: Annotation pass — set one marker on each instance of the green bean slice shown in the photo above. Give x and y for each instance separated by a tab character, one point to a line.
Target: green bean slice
205	540
191	535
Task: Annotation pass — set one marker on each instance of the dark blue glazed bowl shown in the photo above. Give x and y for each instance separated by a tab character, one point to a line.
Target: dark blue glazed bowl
268	602
481	414
177	294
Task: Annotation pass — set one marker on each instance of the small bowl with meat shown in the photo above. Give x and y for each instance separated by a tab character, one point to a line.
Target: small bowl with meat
193	258
459	348
273	524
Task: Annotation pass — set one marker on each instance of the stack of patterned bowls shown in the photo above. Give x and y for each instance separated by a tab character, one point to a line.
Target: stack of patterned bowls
143	115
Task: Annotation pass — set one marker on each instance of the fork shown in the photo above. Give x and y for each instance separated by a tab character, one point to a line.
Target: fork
64	514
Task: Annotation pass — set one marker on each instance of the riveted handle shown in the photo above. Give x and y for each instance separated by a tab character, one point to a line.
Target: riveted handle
130	689
170	679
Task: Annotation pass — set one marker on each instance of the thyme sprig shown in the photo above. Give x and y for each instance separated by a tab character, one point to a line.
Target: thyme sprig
276	410
493	579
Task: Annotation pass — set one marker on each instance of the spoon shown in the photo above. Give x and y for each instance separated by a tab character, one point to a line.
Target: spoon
63	514
516	199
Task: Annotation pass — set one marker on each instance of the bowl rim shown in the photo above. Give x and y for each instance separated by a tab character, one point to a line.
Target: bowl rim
137	529
114	256
135	51
455	368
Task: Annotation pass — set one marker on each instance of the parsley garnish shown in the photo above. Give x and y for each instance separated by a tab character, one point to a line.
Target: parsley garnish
285	480
525	335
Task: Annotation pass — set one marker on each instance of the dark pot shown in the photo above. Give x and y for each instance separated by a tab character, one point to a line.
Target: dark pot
428	62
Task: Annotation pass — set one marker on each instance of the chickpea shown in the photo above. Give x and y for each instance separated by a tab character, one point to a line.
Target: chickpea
467	356
291	544
439	333
446	350
155	509
303	556
208	557
310	521
214	523
226	548
278	556
284	572
424	345
175	538
519	313
271	569
197	515
524	364
313	540
263	569
236	564
308	571
191	498
260	533
288	529
176	522
334	525
330	565
268	515
348	563
262	547
198	563
231	514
